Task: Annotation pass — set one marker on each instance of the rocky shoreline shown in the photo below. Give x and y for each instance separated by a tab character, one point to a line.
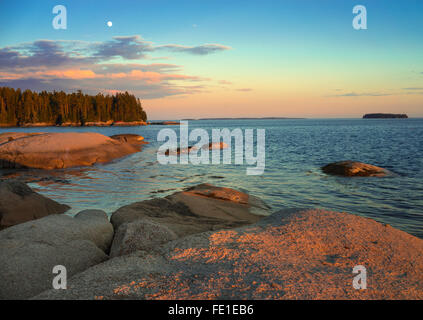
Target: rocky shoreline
110	123
207	242
78	124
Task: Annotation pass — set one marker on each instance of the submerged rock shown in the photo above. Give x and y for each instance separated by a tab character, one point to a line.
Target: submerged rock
216	145
19	203
129	138
197	209
221	193
62	150
292	254
179	150
354	169
29	251
210	146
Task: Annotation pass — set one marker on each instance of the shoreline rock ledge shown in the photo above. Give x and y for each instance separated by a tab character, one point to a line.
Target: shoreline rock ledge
354	169
63	149
292	254
196	209
19	203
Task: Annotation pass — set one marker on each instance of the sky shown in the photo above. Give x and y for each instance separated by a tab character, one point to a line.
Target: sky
213	58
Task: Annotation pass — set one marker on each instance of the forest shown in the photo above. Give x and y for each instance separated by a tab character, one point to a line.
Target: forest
20	108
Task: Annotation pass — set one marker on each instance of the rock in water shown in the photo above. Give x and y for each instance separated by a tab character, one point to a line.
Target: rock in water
29	251
354	169
209	146
292	254
62	150
19	203
129	138
197	209
209	191
140	235
216	145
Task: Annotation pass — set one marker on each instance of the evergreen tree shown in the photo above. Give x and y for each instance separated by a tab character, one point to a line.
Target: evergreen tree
20	108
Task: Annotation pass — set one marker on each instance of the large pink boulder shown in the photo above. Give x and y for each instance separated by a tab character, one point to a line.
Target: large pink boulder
62	150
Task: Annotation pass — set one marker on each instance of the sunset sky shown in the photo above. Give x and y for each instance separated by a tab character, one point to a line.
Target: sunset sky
212	58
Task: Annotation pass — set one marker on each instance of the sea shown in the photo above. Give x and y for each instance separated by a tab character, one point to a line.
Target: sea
295	151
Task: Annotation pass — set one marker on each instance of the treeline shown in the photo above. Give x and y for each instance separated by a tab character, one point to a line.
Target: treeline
19	107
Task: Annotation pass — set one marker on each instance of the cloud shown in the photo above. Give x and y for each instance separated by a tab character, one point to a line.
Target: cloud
64	53
135	47
48	74
411	91
71	65
366	94
146	84
41	53
145	88
197	50
128	67
130	47
244	89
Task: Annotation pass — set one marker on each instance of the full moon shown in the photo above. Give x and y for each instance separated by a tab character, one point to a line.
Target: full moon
109	23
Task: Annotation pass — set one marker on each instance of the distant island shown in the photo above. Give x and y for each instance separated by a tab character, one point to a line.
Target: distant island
384	116
32	109
170	122
245	118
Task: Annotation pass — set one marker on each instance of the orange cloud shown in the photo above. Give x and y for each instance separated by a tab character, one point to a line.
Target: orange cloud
148	76
77	74
66	74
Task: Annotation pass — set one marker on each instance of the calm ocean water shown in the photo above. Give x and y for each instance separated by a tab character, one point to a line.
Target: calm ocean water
295	151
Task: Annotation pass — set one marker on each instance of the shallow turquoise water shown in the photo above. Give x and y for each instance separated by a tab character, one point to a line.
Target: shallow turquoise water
295	151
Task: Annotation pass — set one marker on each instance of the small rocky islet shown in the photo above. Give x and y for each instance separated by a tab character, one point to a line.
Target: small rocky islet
205	242
385	116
